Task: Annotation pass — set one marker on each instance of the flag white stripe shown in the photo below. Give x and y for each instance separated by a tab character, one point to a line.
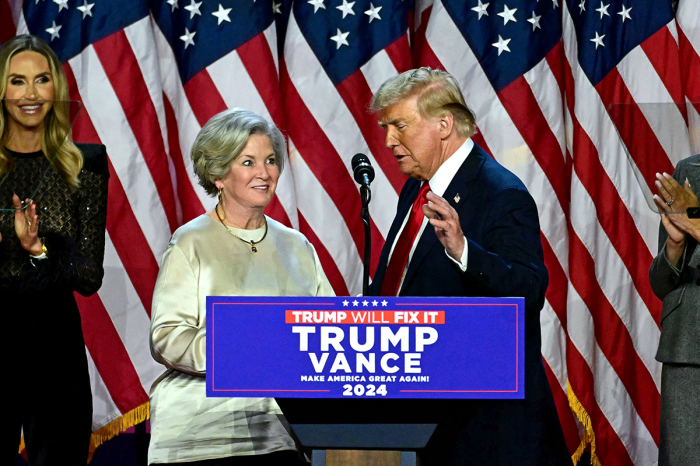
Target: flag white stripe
104	410
114	131
663	116
620	292
328	108
595	121
128	315
610	393
320	212
499	132
378	69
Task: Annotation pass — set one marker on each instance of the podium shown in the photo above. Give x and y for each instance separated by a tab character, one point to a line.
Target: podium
365	373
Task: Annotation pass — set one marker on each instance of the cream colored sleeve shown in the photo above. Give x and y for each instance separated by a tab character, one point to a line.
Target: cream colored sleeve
178	331
323	287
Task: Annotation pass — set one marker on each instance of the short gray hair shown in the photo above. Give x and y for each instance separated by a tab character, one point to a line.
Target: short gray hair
438	94
222	140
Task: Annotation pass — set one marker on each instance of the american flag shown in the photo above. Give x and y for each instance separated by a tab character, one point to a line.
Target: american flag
540	75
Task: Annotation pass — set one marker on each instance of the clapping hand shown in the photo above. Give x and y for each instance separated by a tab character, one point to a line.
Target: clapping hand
27	225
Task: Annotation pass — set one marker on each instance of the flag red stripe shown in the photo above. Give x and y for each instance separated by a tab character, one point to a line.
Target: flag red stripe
204	97
325	163
555	59
191	205
609	447
558	282
275	210
331	270
107	351
659	48
120	65
690	68
356	93
399	52
612	213
643	145
123	227
613	338
418	37
522	107
566	416
7	25
259	63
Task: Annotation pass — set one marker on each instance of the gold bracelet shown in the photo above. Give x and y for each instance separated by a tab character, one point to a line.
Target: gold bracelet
43	247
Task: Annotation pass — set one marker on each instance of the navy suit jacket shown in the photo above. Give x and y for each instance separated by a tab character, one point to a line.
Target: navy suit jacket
500	221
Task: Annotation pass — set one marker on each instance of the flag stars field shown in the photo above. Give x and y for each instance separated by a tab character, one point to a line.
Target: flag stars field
346	8
53	30
222	14
535	21
340	38
603	10
480	9
373	12
508	15
61	4
501	45
317	4
193	8
625	13
86	9
188	38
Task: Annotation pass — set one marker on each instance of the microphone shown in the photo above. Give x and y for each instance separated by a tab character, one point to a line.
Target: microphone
362	169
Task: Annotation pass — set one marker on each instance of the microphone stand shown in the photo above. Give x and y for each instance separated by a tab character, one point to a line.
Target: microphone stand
366	196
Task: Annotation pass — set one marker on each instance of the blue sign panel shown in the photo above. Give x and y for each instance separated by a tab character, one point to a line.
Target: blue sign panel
343	347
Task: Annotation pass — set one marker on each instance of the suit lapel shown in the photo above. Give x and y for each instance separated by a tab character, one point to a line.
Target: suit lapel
460	185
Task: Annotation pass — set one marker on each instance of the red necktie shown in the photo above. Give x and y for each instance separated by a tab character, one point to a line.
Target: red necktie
399	258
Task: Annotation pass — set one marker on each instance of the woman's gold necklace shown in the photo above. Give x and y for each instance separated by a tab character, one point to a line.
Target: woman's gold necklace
251	242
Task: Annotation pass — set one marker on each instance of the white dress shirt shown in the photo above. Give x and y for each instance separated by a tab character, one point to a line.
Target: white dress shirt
438	185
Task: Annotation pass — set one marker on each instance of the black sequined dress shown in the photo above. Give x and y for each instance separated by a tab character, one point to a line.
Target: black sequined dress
43	343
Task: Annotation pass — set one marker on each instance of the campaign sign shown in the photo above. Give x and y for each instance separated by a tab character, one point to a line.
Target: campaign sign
383	347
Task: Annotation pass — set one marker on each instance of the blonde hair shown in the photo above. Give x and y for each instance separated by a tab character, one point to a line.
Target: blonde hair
223	138
438	95
68	160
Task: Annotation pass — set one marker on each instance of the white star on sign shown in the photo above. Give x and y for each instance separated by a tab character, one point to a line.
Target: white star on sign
355	303
317	4
385	302
625	13
86	9
375	302
346	8
598	40
276	8
53	30
345	303
61	4
340	39
603	9
508	15
222	14
188	38
582	6
501	45
373	12
173	5
535	21
193	8
481	9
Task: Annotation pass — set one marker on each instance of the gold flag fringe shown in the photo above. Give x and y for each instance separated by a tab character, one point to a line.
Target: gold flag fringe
114	428
588	437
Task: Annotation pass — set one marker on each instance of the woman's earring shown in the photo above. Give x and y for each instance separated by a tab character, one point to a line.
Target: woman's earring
221	190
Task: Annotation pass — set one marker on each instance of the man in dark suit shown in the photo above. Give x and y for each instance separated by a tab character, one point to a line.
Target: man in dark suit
466	226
